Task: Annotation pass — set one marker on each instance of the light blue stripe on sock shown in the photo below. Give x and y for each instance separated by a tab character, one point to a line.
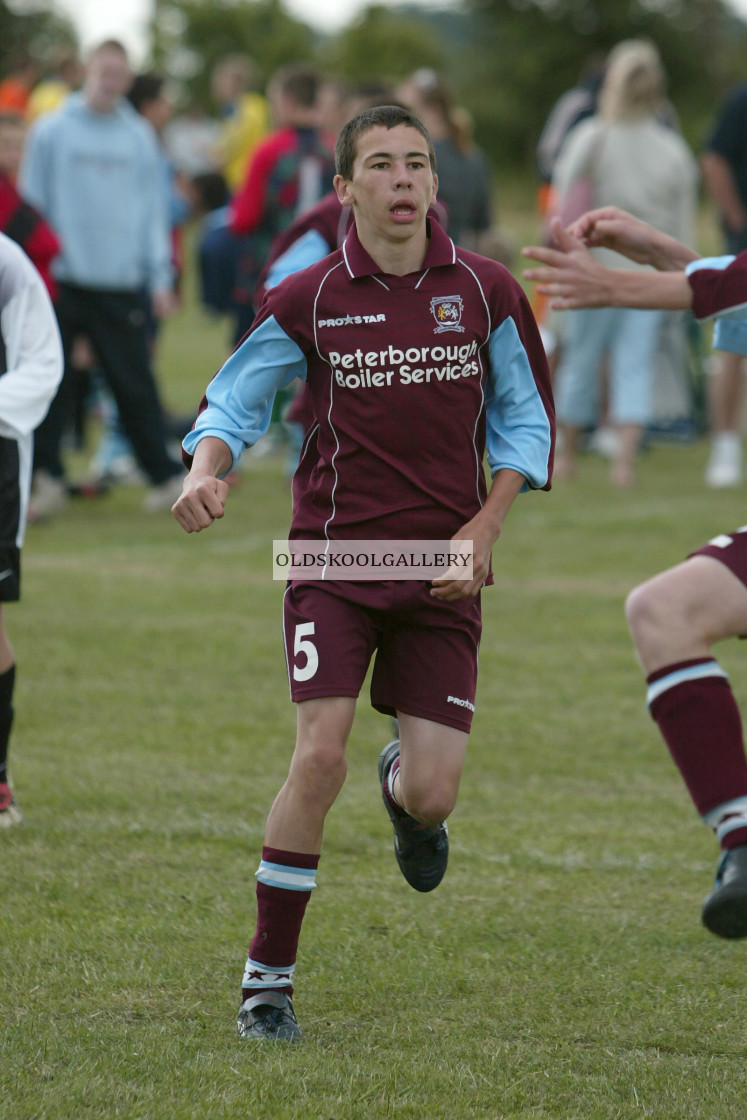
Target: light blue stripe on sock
679	676
290	878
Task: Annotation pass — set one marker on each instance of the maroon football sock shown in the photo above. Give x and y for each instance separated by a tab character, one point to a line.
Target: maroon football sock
285	881
694	707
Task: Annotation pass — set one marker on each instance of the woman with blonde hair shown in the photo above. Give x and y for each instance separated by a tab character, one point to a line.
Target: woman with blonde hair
630	155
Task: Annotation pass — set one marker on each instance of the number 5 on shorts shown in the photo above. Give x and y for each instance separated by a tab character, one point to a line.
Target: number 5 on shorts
301	644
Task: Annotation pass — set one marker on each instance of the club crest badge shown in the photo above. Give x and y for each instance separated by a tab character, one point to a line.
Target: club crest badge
447	311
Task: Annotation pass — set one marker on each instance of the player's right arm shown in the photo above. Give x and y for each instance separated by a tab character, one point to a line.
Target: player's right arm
238	408
203	496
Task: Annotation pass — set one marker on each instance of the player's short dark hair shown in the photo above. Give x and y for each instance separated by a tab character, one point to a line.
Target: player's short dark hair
386	116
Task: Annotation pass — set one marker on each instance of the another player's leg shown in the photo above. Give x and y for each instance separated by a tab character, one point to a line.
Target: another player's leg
674	620
287	871
10	814
419	775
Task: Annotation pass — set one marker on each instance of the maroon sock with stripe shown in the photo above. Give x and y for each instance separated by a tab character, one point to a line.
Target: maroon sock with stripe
285	881
694	707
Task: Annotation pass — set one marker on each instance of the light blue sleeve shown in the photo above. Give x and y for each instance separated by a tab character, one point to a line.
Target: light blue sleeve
241	394
519	433
308	249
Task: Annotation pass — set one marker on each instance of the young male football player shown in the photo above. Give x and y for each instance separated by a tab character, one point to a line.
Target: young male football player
677	616
418	358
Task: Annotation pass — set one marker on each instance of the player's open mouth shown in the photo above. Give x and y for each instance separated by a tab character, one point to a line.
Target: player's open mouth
403	210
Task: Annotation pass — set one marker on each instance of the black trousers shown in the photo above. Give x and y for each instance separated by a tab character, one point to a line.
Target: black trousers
115	324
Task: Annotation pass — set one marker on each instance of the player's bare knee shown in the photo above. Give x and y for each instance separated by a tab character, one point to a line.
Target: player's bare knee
644	613
321	768
430	806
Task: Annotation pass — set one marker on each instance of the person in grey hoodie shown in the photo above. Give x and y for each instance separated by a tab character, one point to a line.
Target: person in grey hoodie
92	169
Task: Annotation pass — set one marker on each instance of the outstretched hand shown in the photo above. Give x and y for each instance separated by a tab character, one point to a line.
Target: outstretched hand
570	275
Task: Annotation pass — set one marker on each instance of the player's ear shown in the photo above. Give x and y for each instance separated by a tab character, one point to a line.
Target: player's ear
343	189
435	188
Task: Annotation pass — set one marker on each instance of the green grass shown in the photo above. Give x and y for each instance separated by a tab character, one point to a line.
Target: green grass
560	971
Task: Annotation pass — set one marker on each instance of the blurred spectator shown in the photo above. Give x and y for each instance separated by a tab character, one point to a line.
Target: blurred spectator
148	96
92	168
114	458
19	221
724	165
15	89
288	173
64	75
244	114
572	107
632	160
191	139
464	181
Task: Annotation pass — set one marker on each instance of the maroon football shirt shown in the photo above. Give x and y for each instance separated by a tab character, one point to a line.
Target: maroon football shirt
398	370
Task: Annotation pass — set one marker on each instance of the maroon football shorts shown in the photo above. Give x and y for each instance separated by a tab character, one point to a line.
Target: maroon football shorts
425	650
730	549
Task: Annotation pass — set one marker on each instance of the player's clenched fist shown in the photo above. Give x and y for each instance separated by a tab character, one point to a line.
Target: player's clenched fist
202	500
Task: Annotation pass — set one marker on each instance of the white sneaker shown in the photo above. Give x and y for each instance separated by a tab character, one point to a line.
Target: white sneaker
48	496
163	497
724	467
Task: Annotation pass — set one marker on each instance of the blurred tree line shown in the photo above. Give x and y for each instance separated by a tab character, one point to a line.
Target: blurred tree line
31	29
507	60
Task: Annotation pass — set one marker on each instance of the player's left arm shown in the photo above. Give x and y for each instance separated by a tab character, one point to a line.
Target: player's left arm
520	437
483	530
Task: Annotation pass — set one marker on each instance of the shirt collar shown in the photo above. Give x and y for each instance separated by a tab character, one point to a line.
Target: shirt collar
441	251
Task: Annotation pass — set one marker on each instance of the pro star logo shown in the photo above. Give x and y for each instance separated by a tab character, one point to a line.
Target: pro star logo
351	320
447	311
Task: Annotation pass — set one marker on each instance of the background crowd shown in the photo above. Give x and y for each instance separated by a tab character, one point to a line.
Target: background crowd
108	178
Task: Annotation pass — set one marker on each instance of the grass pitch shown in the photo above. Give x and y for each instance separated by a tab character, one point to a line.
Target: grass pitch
560	971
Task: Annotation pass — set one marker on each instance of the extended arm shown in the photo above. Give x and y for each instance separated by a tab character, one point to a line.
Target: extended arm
239	406
575	279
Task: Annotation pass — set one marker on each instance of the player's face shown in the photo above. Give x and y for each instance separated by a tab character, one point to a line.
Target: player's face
392	184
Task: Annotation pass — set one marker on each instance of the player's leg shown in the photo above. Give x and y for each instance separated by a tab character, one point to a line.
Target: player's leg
431	761
674	619
419	775
426	674
10	814
15	472
329	643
